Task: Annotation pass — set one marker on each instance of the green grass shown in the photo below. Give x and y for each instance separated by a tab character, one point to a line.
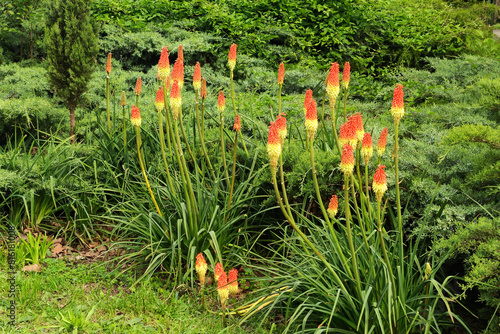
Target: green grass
68	296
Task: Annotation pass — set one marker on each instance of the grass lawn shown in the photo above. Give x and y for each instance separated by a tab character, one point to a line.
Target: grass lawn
84	297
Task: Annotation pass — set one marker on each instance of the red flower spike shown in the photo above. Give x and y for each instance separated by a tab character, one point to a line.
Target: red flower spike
197	77
398	105
237	124
163	65
218	270
201	268
281	74
347	160
180	54
175	100
159	101
138	86
379	183
367	147
135	117
108	64
332	85
333	206
307	99
221	102
203	93
281	125
178	73
232	56
311	120
223	288
233	281
382	142
273	146
357	124
346	75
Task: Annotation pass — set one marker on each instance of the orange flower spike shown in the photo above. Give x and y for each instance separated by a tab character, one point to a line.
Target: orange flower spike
232	56
135	117
108	64
281	125
398	105
311	120
347	134
178	73
159	102
197	77
221	102
203	93
123	99
218	270
346	75
180	54
333	207
201	268
233	281
223	288
138	86
175	100
163	65
379	183
273	146
307	99
347	160
367	147
237	124
382	142
357	121
281	74
332	85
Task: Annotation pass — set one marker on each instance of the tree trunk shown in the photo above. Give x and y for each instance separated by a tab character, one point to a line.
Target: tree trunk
72	123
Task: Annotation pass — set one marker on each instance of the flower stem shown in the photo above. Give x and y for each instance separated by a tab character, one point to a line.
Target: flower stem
139	144
349	235
107	103
234	109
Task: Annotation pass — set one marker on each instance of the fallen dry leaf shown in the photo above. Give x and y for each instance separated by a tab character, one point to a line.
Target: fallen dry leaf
58	248
32	267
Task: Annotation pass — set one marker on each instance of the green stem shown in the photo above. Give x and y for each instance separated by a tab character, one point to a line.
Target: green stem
334	121
162	148
367	196
323	210
167	116
234	109
139	143
308	242
124	128
221	121
202	141
349	235
233	175
398	198
107	103
188	184
384	250
283	188
345	105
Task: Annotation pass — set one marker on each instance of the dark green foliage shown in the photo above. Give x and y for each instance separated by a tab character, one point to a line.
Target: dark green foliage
373	36
477	244
71	49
